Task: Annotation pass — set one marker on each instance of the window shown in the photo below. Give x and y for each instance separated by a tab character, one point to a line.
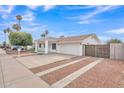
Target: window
54	46
39	45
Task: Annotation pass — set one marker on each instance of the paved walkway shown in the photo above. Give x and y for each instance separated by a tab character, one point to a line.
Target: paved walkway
1	72
14	74
1	77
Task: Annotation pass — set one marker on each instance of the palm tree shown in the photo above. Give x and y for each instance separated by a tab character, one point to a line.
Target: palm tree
8	30
5	31
16	27
44	34
19	18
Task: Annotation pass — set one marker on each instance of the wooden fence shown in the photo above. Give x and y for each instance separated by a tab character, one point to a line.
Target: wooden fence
112	51
97	51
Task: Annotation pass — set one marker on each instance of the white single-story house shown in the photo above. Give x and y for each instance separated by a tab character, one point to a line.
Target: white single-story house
73	45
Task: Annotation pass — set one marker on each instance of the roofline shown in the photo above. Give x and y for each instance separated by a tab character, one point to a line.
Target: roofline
57	39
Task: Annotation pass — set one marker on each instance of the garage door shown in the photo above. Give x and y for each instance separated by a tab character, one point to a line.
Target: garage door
73	49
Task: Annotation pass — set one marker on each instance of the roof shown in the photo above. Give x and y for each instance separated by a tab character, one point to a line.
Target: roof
81	37
75	39
71	39
48	38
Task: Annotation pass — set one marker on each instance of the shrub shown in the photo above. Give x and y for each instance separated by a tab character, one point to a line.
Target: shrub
114	41
20	38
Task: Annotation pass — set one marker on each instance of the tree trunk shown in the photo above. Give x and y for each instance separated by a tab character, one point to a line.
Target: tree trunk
5	42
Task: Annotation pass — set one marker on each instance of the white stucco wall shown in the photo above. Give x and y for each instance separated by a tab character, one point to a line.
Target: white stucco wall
76	49
90	40
117	51
73	49
39	49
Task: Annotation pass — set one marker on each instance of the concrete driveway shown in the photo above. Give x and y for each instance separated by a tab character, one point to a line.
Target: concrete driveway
39	60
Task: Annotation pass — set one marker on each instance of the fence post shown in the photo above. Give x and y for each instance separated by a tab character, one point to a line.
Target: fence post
83	50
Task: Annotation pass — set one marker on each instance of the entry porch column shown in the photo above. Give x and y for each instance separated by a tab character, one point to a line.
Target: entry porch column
36	46
46	46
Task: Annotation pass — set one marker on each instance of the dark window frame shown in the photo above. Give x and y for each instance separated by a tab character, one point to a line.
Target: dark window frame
40	45
53	46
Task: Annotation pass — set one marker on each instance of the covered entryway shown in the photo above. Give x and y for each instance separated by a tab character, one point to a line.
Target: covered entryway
41	46
97	51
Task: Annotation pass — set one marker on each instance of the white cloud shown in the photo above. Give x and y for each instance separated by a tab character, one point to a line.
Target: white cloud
28	16
5	16
33	7
10	9
45	7
2	24
89	17
37	27
79	7
48	7
34	24
89	21
116	31
98	10
7	9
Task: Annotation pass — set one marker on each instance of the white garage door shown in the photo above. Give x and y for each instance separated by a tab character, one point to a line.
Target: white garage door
73	49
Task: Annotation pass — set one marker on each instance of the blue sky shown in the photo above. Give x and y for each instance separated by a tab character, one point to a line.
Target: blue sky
105	21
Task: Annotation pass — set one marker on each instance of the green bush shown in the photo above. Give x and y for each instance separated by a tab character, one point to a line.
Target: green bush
114	41
20	38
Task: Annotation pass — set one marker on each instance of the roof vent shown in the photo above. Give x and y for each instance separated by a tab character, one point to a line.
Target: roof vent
62	36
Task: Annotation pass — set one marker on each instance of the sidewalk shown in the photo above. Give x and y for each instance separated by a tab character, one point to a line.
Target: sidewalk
14	74
1	77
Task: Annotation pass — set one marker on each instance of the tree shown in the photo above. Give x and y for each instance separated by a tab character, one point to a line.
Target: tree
5	33
19	18
20	38
4	44
8	30
44	34
16	27
114	41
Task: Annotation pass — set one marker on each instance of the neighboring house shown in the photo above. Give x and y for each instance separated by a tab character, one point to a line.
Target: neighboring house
73	45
